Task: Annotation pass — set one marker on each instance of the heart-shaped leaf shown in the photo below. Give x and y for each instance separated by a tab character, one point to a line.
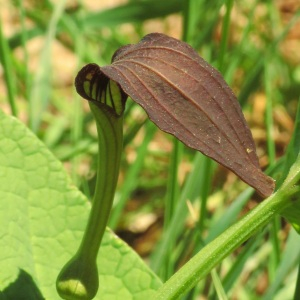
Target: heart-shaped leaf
186	97
42	220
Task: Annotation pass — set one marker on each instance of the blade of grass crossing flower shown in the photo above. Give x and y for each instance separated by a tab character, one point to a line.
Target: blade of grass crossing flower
208	164
205	190
6	60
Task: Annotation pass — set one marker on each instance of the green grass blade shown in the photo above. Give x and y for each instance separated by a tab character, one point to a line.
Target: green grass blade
190	191
207	19
132	131
211	255
290	258
6	60
238	52
40	93
225	34
229	216
218	285
293	150
16	40
236	269
171	203
24	39
275	228
250	84
173	188
205	189
208	164
269	110
132	12
293	147
297	289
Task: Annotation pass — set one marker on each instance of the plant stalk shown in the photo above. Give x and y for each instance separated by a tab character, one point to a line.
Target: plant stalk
110	140
211	255
79	278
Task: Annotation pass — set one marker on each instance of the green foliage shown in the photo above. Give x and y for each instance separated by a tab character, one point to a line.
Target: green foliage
41	228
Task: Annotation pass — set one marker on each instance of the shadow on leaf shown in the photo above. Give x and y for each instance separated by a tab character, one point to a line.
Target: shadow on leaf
23	288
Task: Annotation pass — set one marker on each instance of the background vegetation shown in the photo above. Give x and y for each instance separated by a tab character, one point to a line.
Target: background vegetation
170	200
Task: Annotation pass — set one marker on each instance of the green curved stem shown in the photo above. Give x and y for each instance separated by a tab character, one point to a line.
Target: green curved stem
79	277
110	140
211	255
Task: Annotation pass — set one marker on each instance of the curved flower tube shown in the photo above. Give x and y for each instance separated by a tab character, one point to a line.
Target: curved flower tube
184	96
79	277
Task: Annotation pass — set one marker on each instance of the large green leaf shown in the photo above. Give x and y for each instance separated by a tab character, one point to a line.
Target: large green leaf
42	218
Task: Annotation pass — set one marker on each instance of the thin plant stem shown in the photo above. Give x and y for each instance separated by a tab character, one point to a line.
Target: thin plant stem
211	255
110	139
